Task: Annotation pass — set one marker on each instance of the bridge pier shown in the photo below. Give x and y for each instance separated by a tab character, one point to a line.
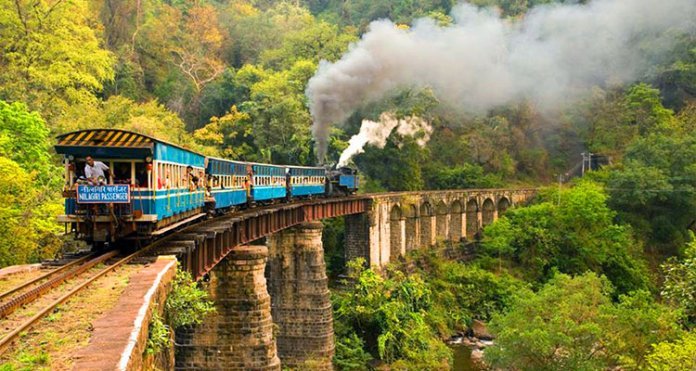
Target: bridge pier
300	297
239	335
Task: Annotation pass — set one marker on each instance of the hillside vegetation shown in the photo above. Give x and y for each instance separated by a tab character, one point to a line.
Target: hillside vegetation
228	78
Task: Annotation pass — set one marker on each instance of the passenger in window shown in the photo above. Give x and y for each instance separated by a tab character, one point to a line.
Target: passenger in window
201	178
95	171
191	178
122	173
141	175
163	180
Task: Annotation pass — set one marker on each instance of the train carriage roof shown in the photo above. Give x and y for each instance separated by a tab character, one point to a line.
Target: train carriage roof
110	142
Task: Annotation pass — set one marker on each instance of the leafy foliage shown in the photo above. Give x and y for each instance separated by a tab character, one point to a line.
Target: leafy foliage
674	355
571	323
50	55
572	237
680	282
28	179
656	187
159	335
187	304
400	317
391	314
350	353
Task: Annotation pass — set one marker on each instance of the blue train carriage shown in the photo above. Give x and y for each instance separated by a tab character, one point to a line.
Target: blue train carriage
151	187
306	181
228	182
268	182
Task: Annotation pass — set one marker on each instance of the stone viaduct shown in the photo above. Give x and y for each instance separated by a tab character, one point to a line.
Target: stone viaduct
396	223
272	297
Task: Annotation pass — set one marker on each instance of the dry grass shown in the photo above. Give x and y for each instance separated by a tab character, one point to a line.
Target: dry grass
51	344
11	281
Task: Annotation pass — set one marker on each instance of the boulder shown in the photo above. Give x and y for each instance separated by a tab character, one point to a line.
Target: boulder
477	355
480	330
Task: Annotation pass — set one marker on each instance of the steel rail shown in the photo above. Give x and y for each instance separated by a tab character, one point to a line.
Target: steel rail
10	306
44	276
7	339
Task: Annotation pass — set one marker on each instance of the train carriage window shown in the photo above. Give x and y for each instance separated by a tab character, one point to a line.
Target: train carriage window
141	174
79	169
122	173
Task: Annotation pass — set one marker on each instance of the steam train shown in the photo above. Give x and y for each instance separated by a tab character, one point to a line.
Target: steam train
152	186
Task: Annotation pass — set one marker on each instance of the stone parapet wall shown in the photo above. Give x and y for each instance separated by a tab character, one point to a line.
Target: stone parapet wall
120	335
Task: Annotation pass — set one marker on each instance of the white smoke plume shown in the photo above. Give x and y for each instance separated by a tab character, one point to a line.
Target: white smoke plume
550	56
377	132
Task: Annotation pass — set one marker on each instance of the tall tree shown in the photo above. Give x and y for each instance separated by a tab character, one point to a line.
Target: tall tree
28	187
50	57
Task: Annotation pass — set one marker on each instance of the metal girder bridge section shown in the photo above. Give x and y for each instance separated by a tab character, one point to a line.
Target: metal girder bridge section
200	248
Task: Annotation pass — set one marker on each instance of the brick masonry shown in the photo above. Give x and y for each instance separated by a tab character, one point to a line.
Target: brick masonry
239	336
300	297
120	335
357	236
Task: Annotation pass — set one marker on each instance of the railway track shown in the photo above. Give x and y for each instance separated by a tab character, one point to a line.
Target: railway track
53	280
5	295
78	268
62	274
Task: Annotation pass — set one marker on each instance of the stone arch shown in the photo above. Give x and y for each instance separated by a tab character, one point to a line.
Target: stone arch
411	215
426	224
456	220
396	232
488	211
471	218
441	220
503	205
395	213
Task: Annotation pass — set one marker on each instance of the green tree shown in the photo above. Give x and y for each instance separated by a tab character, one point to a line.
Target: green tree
230	135
461	177
277	110
28	187
679	286
390	313
17	237
50	57
574	236
319	40
117	112
655	188
572	324
396	167
674	355
24	140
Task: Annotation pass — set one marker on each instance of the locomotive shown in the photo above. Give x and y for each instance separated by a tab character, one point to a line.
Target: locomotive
153	187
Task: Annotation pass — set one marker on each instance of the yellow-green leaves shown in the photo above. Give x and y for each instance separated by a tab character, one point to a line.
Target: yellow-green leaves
50	56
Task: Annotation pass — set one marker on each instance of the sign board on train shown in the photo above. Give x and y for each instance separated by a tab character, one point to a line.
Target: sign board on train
100	194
